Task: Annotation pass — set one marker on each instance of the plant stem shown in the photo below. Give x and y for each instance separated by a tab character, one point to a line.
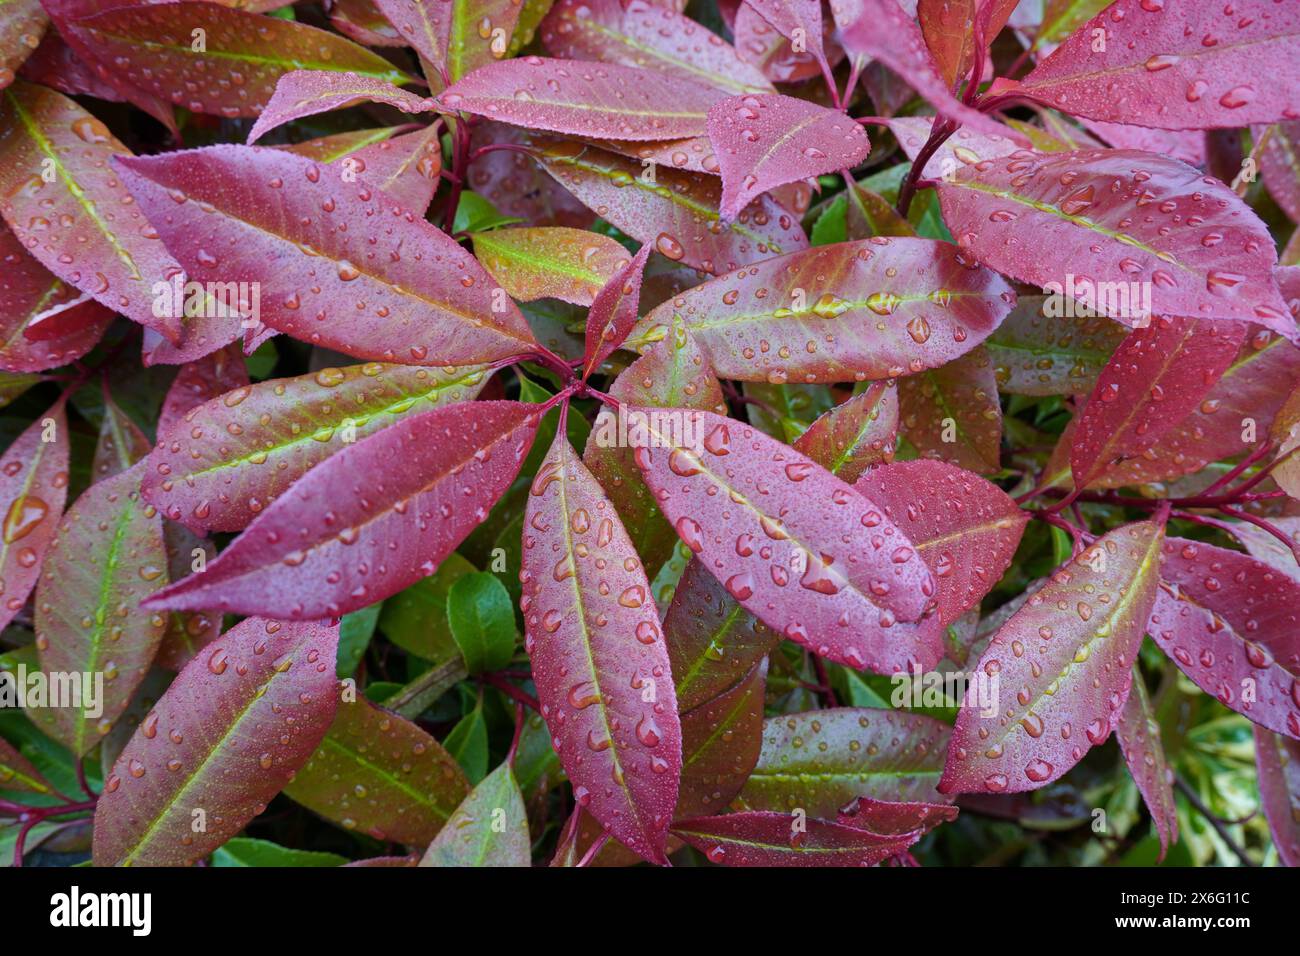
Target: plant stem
1214	821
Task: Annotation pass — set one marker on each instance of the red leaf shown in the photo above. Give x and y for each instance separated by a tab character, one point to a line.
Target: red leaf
17	772
951	413
948	27
793	544
32	297
638	33
1138	733
221	464
454	37
238	214
676	213
820	760
1229	622
780	839
599	659
1065	661
883	31
1279	165
116	260
870	309
796	20
1193	66
1106	216
854	436
106	558
307	92
584	99
33	489
766	140
345	536
1155	379
721	741
21	26
895	819
1278	761
966	147
121	443
229	732
1189	146
1038	350
965	528
201	381
152	47
614	311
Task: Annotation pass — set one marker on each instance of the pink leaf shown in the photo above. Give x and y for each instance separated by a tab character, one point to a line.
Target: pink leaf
614	311
870	309
766	140
966	529
759	838
1138	733
1278	761
1163	237
896	819
1156	377
598	654
336	263
227	735
793	544
308	92
584	99
347	534
1191	66
1064	664
854	436
1229	622
213	375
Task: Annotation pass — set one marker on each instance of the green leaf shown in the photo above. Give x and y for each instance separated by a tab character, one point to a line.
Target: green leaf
490	828
468	743
482	621
476	214
416	619
245	851
355	632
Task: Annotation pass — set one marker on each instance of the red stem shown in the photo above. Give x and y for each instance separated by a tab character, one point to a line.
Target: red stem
510	690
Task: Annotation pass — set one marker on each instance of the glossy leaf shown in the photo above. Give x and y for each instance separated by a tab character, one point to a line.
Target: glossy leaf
677	213
227	735
598	654
152	46
380	774
773	839
855	436
301	93
33	490
948	28
1138	733
116	259
1191	66
1040	350
1065	662
1164	238
489	828
674	372
319	540
883	31
821	760
223	462
266	216
1279	164
721	741
1157	376
482	621
21	24
870	309
457	36
795	20
31	296
966	529
793	544
550	261
764	140
17	772
106	558
197	382
1229	622
614	311
647	35
584	99
1278	761
951	413
893	818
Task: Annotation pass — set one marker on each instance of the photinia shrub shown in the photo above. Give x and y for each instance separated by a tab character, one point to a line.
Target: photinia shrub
515	432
